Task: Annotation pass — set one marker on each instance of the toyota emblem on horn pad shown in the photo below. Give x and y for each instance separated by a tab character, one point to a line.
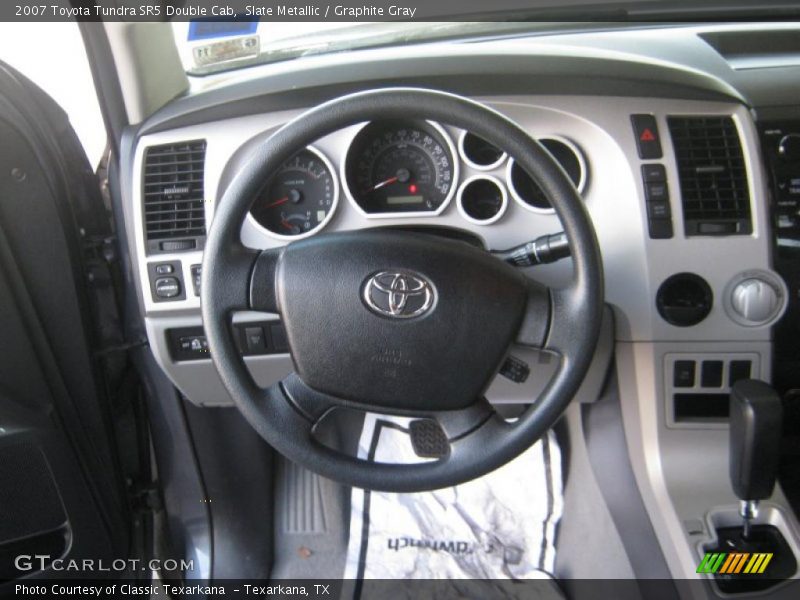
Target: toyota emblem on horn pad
399	294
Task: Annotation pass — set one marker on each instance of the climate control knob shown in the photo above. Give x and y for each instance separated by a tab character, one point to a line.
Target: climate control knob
755	300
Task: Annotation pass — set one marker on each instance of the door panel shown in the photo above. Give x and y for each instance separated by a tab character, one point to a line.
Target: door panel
61	491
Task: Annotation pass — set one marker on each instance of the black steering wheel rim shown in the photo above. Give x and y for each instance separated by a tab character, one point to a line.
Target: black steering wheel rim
491	442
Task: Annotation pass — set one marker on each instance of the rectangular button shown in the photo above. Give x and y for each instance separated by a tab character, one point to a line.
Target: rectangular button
194	343
254	339
711	374
197	271
658	209
683	374
738	370
656	191
164	269
278	334
654	173
648	142
660	229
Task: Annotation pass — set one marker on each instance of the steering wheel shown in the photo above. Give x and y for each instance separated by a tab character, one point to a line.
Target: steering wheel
397	322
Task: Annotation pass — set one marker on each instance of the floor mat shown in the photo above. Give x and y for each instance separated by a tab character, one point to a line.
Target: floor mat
501	526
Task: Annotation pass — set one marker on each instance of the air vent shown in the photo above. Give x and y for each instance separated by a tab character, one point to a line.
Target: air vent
713	177
174	212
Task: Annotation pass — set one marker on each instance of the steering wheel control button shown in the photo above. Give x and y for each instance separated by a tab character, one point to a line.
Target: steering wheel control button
254	340
167	287
515	369
399	294
711	374
683	374
278	335
648	142
427	439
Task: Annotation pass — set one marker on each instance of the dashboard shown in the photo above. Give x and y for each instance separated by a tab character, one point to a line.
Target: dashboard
667	160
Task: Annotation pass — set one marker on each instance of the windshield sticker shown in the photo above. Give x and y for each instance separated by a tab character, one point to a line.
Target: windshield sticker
206	29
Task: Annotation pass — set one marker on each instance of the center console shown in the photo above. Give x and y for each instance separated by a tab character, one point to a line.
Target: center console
780	143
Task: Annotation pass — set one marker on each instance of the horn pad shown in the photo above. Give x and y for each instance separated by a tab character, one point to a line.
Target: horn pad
398	320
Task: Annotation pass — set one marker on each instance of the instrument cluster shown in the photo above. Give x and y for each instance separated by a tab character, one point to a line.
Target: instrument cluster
405	168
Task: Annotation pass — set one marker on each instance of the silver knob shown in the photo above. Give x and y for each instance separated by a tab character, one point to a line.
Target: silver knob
755	300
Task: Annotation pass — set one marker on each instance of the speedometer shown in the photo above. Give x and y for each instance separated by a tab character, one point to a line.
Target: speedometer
401	167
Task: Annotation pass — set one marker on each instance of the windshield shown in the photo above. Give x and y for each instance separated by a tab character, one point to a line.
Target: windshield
220	46
209	46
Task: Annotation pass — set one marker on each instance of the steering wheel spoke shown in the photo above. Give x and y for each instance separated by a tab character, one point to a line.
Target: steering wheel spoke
432	433
231	275
536	321
566	322
262	287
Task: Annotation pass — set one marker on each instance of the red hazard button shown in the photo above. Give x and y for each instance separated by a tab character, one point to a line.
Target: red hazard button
647	136
648	143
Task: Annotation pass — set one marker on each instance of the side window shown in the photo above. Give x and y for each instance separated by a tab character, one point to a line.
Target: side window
53	57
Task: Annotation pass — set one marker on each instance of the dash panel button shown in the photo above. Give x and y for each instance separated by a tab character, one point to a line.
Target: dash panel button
648	142
711	374
683	374
167	287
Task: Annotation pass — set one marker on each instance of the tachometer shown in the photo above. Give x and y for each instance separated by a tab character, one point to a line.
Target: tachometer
300	198
401	167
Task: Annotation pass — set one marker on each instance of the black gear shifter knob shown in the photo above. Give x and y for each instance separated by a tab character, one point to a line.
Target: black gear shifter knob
756	419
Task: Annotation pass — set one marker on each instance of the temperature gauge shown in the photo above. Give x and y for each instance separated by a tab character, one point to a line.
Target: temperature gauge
300	198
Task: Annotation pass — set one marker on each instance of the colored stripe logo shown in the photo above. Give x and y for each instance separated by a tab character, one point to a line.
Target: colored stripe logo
733	563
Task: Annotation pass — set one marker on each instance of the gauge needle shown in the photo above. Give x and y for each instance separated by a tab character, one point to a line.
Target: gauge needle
378	186
278	202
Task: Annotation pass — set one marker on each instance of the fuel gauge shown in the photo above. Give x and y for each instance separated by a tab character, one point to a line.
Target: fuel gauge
482	199
300	198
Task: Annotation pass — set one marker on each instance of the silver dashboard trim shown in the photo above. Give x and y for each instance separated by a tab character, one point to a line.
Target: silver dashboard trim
503	207
582	181
321	225
389	215
473	165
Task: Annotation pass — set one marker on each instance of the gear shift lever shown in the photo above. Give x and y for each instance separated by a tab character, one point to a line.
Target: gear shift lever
755	433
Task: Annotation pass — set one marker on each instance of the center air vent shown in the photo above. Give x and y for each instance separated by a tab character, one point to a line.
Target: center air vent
711	167
174	214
